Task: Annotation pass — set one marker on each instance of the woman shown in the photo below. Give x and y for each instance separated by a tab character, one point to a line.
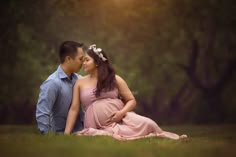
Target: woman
105	113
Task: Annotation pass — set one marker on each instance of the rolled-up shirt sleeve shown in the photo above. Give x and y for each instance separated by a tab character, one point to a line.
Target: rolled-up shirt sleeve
47	97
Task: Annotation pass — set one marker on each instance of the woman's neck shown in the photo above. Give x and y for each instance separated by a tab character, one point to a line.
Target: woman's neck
94	75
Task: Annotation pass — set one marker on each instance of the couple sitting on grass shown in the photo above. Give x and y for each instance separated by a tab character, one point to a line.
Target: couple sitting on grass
99	103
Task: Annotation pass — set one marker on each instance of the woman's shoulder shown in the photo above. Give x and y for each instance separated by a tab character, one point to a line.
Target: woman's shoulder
119	78
82	79
84	82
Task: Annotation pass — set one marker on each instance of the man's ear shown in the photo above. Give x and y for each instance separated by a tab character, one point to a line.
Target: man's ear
67	59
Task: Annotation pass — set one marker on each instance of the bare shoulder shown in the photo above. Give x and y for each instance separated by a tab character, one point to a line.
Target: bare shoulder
119	80
123	88
81	80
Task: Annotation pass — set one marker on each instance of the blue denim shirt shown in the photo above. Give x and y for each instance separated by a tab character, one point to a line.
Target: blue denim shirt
54	102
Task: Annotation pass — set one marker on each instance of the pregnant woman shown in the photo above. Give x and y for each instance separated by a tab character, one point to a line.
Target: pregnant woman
100	94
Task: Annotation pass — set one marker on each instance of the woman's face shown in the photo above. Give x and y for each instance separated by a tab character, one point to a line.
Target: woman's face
89	65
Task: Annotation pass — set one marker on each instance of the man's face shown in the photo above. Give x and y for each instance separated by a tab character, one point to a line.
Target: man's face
77	62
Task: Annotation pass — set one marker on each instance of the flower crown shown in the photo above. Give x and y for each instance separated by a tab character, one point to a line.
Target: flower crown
97	51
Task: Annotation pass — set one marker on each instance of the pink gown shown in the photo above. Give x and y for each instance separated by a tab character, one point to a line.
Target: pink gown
132	126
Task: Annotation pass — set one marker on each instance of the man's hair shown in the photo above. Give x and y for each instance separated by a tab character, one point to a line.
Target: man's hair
68	48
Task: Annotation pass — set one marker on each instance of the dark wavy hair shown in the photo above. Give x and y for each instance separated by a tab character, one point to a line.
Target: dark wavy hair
69	48
105	72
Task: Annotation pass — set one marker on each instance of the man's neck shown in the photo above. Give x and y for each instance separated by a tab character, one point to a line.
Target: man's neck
66	70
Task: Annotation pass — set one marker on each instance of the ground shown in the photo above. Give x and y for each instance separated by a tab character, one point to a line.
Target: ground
203	141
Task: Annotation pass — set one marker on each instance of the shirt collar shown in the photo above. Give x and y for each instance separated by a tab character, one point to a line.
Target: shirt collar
62	74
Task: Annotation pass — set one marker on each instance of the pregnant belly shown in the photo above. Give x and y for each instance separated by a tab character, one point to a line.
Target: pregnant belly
101	110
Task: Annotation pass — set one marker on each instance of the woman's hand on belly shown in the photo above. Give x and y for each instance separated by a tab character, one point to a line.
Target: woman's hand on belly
116	116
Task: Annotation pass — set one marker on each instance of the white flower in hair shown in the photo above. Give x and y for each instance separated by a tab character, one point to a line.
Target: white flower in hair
97	51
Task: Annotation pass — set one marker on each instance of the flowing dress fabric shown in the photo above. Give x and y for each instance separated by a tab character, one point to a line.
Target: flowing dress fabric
132	126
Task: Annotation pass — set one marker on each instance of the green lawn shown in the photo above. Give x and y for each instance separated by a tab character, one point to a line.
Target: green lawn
204	140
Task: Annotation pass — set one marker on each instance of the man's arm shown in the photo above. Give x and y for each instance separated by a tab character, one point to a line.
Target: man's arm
47	97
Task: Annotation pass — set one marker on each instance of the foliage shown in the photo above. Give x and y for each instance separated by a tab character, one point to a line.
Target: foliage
146	41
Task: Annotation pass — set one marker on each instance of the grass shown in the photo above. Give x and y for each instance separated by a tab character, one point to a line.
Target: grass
203	141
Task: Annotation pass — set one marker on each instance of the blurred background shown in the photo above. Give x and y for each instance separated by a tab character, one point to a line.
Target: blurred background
177	56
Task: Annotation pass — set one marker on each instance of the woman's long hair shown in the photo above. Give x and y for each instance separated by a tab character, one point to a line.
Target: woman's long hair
105	73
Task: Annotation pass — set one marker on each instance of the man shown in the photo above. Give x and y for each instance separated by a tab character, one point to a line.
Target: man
56	92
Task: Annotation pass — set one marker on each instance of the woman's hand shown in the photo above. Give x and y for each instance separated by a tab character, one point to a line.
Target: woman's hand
129	101
116	116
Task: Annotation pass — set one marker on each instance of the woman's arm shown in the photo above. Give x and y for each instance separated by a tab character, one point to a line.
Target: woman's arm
126	95
74	109
128	99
